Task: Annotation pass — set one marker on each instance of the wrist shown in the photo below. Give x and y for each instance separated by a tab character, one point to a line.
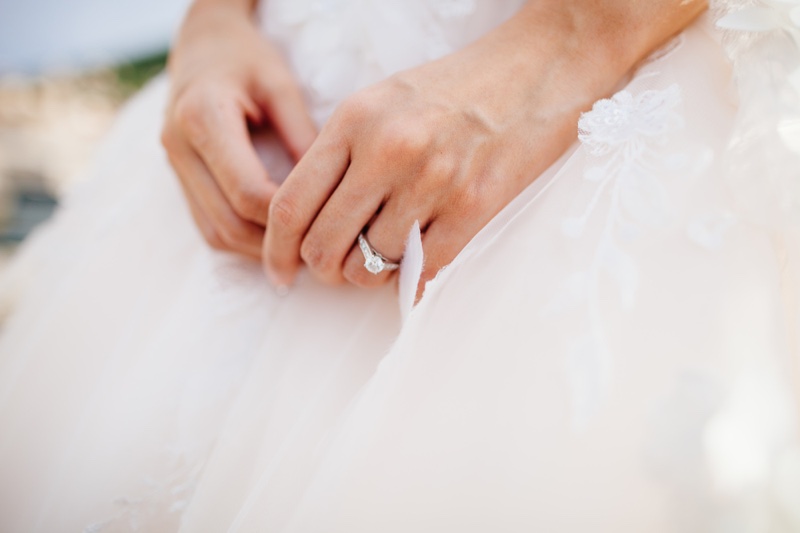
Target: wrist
608	37
206	16
577	51
208	25
246	7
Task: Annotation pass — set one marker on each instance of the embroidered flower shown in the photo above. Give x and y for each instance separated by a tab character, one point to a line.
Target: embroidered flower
767	16
624	119
628	198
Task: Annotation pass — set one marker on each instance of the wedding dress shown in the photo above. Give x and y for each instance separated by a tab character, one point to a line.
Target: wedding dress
617	351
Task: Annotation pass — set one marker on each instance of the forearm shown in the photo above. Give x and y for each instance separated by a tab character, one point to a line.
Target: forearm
204	17
208	25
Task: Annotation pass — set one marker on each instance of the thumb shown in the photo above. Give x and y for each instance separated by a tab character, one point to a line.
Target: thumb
287	109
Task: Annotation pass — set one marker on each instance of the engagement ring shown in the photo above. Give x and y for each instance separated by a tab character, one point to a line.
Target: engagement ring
374	261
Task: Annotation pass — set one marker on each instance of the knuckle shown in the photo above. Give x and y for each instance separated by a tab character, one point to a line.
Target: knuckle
248	202
361	110
284	212
317	257
191	116
355	108
214	241
233	233
439	168
403	140
436	174
208	233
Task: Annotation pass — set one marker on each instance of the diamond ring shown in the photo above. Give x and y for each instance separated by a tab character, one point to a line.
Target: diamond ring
373	260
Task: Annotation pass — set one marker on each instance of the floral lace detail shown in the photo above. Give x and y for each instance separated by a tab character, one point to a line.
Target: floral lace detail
766	15
624	121
709	229
161	501
626	128
337	47
762	39
624	131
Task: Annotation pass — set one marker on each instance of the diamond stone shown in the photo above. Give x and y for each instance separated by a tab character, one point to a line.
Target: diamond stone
374	264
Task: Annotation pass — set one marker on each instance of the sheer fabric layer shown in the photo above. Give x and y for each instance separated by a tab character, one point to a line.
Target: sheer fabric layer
616	351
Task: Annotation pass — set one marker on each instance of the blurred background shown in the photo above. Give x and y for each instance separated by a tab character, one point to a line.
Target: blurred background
65	69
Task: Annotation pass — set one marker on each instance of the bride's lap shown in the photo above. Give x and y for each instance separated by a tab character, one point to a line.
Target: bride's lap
156	334
519	391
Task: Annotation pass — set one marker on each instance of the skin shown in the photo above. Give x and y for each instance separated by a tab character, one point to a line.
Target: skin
226	78
435	144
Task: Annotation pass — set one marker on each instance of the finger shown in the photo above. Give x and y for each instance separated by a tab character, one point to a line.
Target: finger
287	109
216	128
236	234
204	224
334	231
297	203
443	241
387	234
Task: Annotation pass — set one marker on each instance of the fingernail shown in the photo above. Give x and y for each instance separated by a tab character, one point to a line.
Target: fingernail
278	282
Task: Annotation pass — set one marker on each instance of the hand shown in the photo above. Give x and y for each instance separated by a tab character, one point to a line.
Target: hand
225	77
450	143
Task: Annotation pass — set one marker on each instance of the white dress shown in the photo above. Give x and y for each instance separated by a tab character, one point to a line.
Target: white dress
617	351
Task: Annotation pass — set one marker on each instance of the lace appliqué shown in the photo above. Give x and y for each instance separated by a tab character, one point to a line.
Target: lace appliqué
338	47
622	133
161	500
762	39
766	15
626	124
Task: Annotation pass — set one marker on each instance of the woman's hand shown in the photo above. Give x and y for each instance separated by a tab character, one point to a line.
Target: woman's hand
449	144
225	76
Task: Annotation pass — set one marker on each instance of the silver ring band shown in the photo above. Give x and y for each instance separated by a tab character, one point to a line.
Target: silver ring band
374	261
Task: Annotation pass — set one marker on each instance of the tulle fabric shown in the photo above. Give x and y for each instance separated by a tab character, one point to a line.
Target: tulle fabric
616	351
